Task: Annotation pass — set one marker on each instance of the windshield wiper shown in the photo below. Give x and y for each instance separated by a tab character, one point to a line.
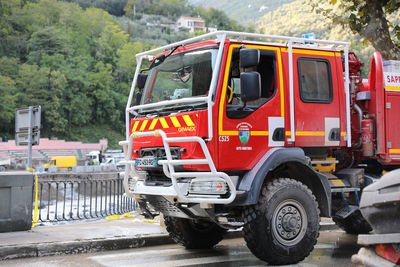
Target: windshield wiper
160	59
185	107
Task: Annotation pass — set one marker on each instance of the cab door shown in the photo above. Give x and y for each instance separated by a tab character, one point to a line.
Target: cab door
316	99
247	131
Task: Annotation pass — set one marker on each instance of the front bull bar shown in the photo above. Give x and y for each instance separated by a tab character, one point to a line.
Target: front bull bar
169	171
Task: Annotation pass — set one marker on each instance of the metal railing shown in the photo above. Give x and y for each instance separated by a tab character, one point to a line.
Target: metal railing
81	199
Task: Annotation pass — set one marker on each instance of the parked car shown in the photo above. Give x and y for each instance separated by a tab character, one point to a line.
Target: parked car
4	164
380	206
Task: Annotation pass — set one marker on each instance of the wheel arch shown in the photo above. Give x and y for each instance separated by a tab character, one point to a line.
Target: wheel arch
290	163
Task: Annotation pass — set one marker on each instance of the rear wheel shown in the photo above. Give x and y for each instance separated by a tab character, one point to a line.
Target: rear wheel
283	227
194	234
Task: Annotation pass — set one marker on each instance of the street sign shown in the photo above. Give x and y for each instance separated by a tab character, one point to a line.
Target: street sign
27	129
26	119
22	139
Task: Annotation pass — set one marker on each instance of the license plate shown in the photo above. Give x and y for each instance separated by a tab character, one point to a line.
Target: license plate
146	162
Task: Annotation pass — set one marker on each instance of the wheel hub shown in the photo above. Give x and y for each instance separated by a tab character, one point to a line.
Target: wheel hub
288	222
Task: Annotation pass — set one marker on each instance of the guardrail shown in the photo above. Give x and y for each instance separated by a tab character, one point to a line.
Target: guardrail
82	169
79	199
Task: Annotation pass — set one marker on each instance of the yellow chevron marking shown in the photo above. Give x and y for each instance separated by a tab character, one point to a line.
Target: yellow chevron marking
143	125
175	122
135	126
188	120
153	124
164	123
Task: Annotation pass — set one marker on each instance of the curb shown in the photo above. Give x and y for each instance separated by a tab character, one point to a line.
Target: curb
81	246
96	245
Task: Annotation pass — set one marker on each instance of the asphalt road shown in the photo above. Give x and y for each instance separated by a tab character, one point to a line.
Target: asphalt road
334	248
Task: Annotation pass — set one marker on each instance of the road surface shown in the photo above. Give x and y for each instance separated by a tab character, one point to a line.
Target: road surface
334	248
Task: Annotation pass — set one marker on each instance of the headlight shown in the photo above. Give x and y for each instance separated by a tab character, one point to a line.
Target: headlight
198	186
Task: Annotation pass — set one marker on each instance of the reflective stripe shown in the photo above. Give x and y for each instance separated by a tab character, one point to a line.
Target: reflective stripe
312	52
188	120
135	126
175	122
310	133
153	124
164	123
143	125
259	133
392	88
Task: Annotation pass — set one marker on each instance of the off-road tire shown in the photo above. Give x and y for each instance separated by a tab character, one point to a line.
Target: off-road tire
355	224
194	234
263	222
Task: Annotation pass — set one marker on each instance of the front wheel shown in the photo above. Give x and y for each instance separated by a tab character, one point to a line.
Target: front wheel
194	234
283	227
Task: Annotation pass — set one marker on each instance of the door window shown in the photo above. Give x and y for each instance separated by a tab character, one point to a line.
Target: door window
267	70
315	80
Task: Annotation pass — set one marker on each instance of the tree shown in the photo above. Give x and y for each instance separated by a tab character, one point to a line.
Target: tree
48	41
369	18
7	103
130	9
111	39
55	115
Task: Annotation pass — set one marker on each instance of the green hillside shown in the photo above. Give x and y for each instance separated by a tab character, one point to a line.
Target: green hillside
244	11
76	58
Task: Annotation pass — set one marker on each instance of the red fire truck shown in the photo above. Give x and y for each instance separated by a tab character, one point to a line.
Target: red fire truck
263	132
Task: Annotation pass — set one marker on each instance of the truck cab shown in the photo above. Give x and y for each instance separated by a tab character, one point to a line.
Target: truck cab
228	133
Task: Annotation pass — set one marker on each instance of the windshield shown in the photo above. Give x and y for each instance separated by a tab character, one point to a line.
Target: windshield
180	76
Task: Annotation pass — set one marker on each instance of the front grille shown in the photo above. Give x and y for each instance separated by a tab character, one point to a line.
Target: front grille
155	176
159	152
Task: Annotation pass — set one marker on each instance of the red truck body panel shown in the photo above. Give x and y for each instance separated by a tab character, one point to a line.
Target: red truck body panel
239	143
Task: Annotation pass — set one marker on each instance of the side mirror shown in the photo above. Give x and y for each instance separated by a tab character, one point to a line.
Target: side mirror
249	57
250	86
141	80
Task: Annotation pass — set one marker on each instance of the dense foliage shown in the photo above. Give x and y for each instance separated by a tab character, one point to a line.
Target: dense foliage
77	61
77	64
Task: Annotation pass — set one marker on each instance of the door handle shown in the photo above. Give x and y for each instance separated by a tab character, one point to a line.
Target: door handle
334	134
279	134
